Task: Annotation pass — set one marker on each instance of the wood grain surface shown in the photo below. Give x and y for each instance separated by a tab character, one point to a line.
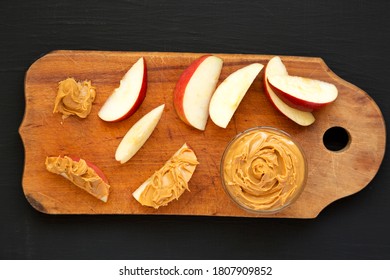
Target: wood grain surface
332	175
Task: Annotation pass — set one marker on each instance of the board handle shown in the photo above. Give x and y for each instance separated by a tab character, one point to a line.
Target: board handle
352	136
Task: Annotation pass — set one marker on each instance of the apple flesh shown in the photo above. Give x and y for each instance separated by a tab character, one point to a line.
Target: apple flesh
130	94
230	92
137	135
303	93
276	67
182	169
194	89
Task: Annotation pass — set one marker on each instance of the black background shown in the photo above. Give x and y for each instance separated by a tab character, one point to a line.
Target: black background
351	36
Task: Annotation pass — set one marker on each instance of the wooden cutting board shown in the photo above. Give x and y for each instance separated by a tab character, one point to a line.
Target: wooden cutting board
332	174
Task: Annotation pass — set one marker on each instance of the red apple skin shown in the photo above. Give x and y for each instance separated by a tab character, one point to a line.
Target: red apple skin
178	94
94	167
140	98
295	102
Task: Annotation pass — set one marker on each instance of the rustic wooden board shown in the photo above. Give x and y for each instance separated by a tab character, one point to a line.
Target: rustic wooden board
332	175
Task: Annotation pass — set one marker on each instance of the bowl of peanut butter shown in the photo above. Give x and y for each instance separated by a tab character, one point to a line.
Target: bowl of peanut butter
263	170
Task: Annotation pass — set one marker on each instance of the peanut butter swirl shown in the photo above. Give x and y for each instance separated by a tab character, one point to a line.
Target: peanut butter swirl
74	98
80	174
263	170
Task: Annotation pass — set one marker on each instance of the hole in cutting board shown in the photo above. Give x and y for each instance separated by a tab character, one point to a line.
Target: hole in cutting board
336	138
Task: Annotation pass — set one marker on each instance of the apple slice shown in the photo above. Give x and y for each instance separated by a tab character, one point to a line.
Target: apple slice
276	67
230	92
170	181
194	89
138	134
126	99
303	93
81	173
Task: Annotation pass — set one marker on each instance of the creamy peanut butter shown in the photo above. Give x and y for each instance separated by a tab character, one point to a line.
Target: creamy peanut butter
80	174
170	181
263	169
74	98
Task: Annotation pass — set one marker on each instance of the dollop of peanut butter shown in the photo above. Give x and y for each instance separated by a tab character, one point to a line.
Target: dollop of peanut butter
74	98
170	181
80	174
263	169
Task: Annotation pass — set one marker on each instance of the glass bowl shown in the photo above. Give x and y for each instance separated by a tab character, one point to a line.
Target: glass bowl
263	170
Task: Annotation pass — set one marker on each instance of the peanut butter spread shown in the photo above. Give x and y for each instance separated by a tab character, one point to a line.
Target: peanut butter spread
81	174
263	169
170	181
74	98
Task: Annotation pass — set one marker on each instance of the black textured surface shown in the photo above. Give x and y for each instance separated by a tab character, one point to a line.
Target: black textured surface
351	36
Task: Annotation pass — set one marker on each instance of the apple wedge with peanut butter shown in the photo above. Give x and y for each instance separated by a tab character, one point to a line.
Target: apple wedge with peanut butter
83	174
170	181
